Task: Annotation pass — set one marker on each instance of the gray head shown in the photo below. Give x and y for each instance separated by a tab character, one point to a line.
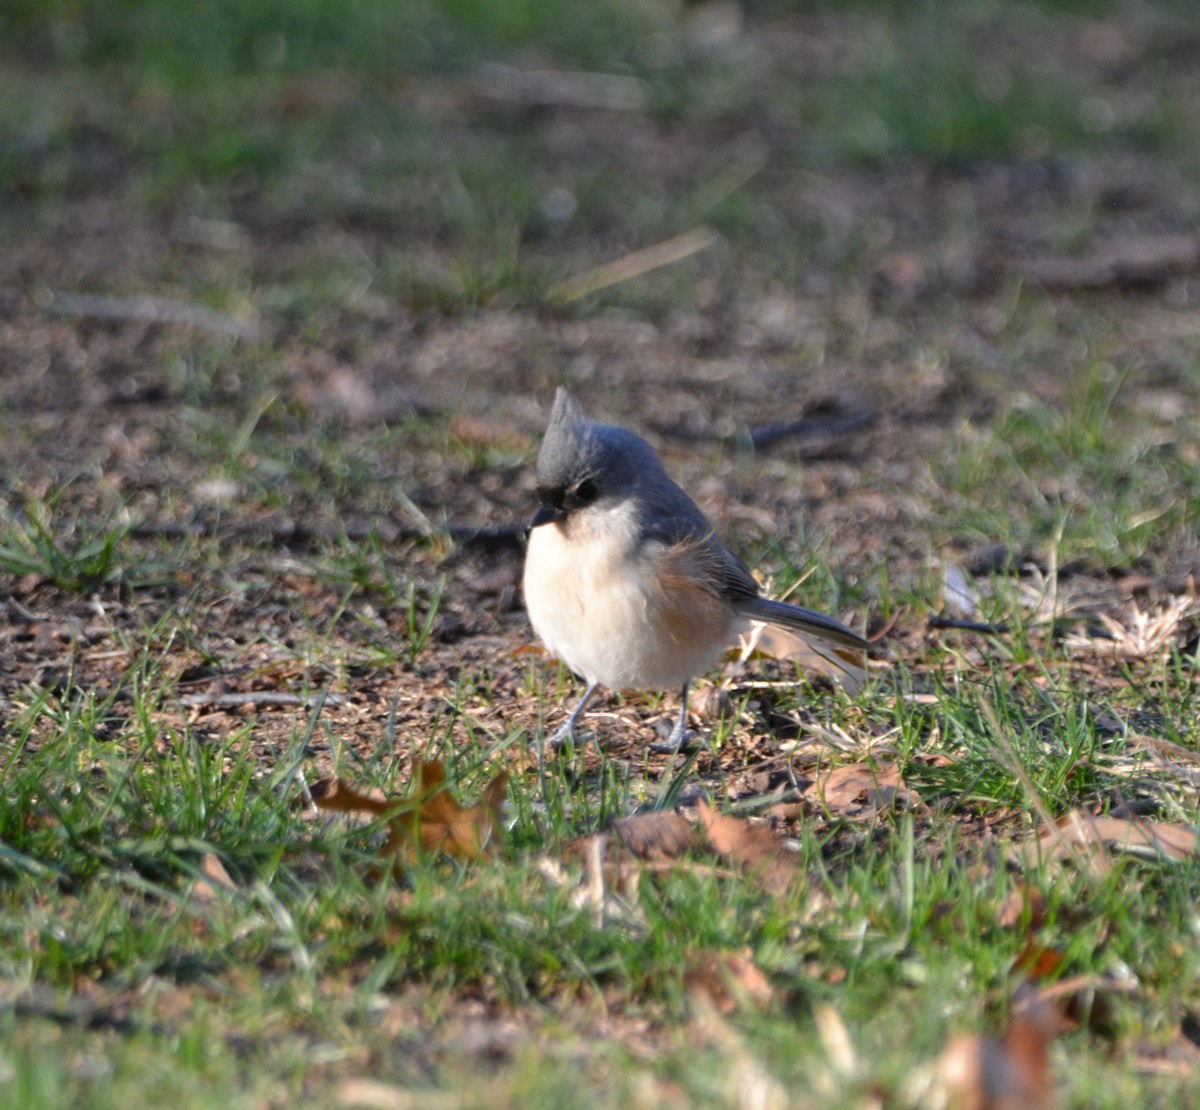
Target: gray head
582	463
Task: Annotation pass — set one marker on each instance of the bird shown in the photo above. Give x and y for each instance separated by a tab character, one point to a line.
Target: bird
625	580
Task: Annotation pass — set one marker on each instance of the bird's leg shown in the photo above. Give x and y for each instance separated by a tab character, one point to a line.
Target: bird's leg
680	735
567	732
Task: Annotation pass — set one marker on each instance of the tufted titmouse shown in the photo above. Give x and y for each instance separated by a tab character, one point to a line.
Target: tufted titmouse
625	581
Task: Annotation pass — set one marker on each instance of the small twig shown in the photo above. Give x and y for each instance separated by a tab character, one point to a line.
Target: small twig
1163	747
261	697
936	621
486	539
810	427
317	705
548	88
1137	263
593	863
1075	984
152	310
633	265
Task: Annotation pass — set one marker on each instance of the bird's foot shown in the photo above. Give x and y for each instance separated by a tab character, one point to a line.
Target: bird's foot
679	738
564	736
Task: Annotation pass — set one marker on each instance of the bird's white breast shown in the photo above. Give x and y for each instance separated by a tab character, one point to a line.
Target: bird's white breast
601	604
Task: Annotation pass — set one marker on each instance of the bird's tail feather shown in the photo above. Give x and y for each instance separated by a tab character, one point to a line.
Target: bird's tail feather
805	621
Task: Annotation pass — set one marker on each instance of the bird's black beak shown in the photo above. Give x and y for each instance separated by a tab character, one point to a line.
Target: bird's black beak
547	514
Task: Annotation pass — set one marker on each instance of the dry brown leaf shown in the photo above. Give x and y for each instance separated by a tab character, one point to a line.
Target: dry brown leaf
429	818
1078	831
654	836
1007	1073
731	980
792	811
213	883
1038	961
440	824
754	848
857	785
1024	897
711	703
334	795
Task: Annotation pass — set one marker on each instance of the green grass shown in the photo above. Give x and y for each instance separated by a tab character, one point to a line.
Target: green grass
106	818
249	100
1094	474
253	94
170	44
82	559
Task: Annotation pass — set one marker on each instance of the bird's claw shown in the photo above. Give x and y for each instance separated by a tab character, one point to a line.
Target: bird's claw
677	740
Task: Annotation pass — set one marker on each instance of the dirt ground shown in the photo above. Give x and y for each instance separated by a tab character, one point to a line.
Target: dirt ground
860	378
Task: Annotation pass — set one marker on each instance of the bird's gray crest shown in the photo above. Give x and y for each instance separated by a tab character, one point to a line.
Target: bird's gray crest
566	411
576	450
565	453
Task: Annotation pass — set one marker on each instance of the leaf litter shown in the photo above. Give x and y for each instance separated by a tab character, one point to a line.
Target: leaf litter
1078	832
429	820
979	1071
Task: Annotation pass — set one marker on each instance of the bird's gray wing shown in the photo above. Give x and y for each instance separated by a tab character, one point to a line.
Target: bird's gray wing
677	520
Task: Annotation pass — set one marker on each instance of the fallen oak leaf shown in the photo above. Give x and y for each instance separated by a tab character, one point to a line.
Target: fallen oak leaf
1038	961
1011	1072
858	785
436	821
1024	899
336	796
755	848
654	836
712	703
731	980
429	819
213	882
1077	830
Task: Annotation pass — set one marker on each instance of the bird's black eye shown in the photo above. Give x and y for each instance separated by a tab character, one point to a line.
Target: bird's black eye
586	492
